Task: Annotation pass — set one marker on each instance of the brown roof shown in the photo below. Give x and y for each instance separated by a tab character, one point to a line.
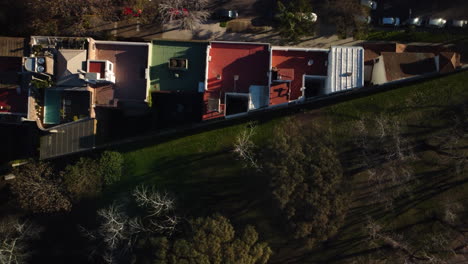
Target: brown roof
449	61
373	50
12	47
404	65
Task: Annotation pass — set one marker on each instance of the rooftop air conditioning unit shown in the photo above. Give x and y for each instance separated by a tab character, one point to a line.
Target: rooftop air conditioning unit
40	61
178	64
92	77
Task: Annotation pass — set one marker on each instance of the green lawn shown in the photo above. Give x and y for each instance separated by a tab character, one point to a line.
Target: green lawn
204	175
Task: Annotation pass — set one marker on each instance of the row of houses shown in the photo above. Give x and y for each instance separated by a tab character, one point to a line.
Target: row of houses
63	83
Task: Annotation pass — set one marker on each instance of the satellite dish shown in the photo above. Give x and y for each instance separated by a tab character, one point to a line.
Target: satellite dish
40	68
40	60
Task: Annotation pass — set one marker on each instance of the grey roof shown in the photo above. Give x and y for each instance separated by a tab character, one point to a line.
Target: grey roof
68	138
69	62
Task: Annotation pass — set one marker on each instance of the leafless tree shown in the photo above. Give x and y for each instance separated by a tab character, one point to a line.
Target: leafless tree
387	157
433	248
244	147
187	13
14	238
117	231
153	201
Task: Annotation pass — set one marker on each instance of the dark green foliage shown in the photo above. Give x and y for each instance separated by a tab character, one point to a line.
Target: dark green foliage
212	240
292	20
38	190
111	165
306	181
86	178
83	179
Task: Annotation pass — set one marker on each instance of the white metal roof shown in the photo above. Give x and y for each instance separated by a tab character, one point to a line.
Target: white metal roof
345	68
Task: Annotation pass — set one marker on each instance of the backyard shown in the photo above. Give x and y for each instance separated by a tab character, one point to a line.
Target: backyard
206	177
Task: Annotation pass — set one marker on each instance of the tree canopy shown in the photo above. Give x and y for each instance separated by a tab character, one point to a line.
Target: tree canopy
306	180
212	240
295	20
38	190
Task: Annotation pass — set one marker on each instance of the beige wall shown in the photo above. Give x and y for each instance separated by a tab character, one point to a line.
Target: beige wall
379	75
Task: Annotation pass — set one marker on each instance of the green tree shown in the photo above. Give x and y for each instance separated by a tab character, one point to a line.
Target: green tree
295	20
213	240
111	165
306	180
38	190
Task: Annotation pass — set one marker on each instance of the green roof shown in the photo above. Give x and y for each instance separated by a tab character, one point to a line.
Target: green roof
164	79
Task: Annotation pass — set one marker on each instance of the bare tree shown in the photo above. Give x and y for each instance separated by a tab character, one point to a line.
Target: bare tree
187	13
15	236
245	148
155	202
387	157
117	231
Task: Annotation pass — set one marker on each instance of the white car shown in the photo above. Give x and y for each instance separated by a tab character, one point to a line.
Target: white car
312	17
415	21
371	4
437	22
390	21
363	19
459	23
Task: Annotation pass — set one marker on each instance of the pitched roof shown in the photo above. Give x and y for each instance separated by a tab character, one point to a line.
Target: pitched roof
373	50
68	63
448	61
404	65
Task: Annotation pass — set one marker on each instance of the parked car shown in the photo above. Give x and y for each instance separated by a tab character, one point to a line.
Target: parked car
415	21
458	23
390	21
436	22
371	4
363	19
225	14
312	17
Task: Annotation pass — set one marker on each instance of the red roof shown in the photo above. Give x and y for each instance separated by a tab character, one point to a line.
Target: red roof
297	62
12	102
250	62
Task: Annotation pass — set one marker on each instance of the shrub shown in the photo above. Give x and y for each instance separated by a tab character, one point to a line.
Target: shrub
83	179
111	165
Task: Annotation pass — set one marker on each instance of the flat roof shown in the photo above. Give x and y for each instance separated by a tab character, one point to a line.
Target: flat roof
299	61
9	68
13	102
163	79
250	62
345	68
12	47
130	62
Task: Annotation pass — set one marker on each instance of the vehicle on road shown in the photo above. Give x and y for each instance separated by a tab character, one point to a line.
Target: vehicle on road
415	21
436	22
390	21
458	23
371	4
225	14
363	19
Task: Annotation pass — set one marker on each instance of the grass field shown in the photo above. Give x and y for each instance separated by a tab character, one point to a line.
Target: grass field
205	176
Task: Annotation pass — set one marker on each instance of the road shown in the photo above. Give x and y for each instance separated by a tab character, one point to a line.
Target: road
448	9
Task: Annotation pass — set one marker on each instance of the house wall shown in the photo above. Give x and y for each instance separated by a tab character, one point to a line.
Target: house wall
379	75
